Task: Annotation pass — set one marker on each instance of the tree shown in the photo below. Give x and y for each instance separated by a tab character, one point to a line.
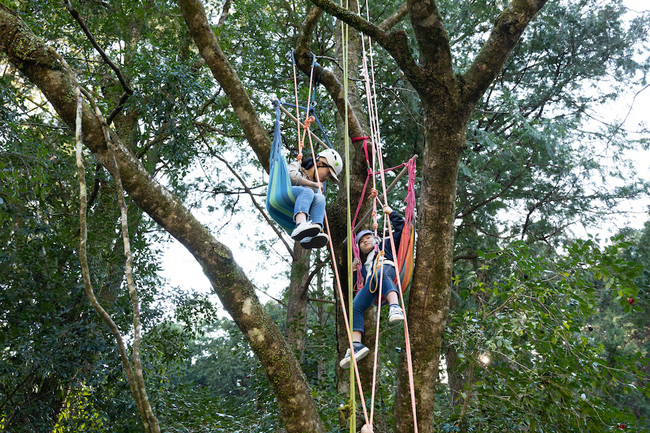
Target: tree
447	99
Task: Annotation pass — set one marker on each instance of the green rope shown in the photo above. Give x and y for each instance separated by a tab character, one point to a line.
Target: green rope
346	139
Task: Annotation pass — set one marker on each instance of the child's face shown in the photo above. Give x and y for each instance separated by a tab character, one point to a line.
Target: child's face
366	244
323	172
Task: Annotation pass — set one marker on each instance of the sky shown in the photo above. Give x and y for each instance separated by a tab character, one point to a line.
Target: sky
181	269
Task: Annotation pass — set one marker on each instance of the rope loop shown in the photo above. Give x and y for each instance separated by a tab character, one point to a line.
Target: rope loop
308	122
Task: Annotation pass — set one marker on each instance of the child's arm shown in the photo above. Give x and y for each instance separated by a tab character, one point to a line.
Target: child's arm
297	179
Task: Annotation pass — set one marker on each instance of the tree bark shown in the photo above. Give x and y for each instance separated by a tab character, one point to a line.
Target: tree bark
223	72
298	298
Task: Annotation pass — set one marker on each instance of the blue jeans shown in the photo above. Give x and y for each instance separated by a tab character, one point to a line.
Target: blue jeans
365	297
310	202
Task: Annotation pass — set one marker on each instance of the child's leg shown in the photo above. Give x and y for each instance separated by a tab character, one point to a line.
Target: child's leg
392	298
304	197
317	210
388	288
363	299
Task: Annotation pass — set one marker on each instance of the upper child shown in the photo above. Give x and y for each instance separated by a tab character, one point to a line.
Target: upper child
307	184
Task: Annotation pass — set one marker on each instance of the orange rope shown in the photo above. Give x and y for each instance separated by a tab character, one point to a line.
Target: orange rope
376	354
407	340
301	144
308	118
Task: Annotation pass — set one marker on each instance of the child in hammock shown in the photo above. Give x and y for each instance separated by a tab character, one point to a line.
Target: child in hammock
310	201
372	271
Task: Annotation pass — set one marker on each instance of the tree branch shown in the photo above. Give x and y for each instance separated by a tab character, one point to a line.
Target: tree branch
506	32
326	77
135	382
432	37
223	72
259	208
33	58
127	89
392	20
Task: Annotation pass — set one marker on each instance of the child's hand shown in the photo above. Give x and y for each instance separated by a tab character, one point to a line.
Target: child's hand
366	429
388	210
355	262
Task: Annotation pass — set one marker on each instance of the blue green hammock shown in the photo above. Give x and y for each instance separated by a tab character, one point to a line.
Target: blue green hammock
279	198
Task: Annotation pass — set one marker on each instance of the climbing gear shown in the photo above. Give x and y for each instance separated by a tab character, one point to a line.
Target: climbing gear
280	200
404	257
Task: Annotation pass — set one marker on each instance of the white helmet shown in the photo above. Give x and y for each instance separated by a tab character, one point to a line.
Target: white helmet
333	160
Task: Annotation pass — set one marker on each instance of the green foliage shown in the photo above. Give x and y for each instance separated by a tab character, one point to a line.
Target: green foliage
533	165
526	340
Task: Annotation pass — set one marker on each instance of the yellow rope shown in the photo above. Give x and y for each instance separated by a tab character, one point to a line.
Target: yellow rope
344	52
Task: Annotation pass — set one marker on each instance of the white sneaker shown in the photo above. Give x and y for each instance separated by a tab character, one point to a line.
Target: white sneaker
395	314
360	352
318	241
304	230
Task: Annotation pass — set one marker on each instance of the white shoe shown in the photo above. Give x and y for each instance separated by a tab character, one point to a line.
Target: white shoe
304	230
318	241
395	314
360	352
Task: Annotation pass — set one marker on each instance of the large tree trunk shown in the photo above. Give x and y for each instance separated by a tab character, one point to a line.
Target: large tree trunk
298	299
41	65
448	100
430	291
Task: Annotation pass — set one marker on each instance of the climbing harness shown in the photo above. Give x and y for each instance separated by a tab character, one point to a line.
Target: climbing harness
404	256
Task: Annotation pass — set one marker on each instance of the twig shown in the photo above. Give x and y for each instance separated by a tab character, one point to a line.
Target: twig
127	89
249	192
99	49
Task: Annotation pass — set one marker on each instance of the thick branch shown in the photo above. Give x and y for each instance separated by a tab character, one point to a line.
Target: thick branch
431	35
506	32
326	77
223	72
392	20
